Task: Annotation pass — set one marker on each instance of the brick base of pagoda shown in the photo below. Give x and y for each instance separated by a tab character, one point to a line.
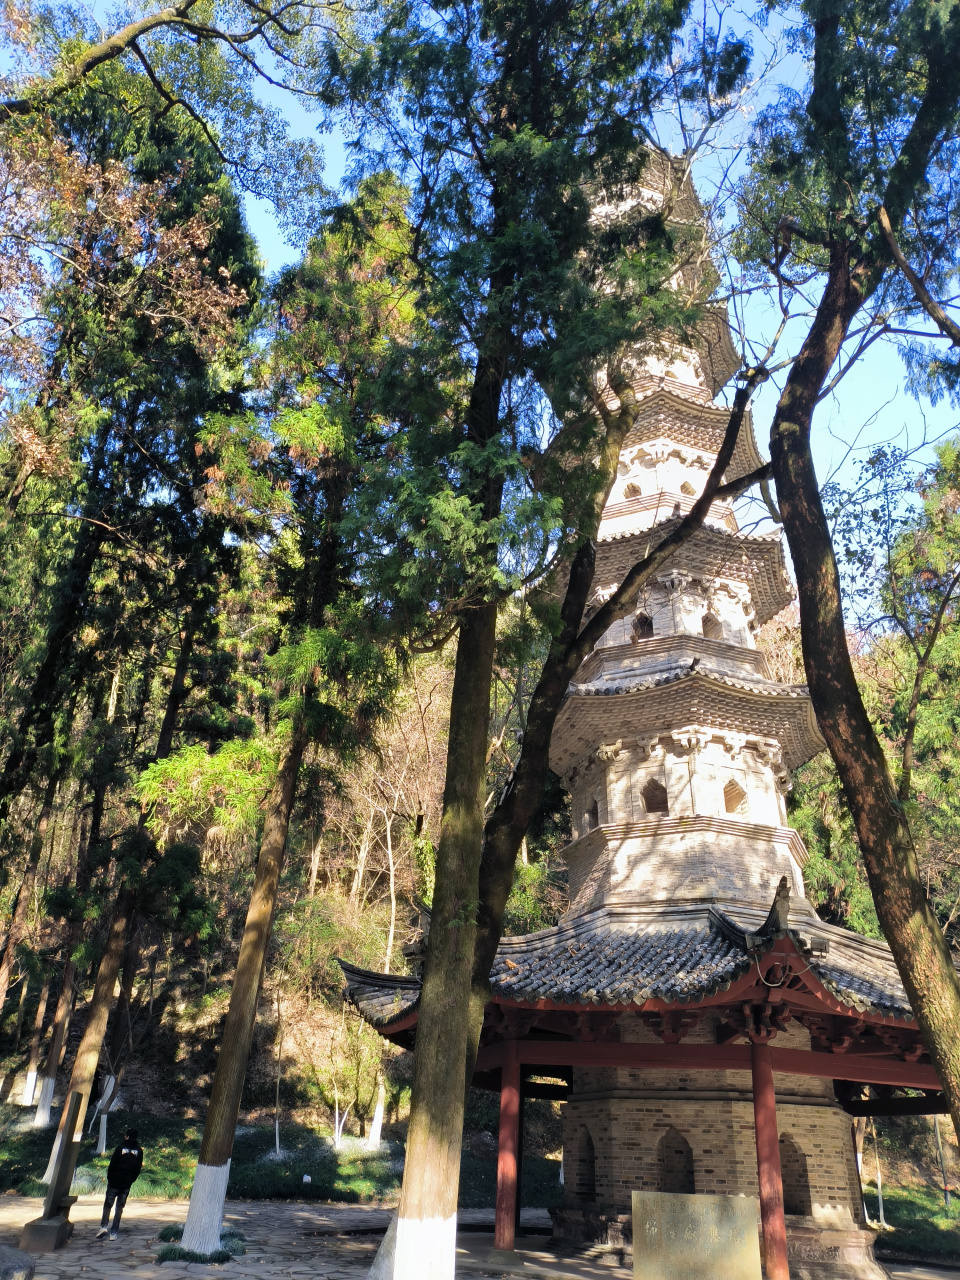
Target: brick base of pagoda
693	1132
815	1251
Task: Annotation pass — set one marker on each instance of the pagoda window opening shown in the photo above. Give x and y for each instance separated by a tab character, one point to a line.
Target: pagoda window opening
675	1164
712	627
643	627
688	490
586	1171
591	819
734	797
796	1179
655	797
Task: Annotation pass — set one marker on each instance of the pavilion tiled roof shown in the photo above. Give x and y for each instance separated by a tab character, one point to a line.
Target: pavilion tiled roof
608	958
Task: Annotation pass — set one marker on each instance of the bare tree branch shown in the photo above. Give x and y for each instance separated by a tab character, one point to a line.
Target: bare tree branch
948	327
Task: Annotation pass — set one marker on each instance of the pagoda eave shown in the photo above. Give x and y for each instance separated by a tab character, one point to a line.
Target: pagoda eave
605	713
666	406
713	552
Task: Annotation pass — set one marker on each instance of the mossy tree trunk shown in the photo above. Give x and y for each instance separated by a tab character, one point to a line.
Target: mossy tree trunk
427	1219
88	1054
205	1215
906	916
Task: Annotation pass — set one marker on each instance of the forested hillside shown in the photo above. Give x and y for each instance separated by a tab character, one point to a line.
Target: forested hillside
294	566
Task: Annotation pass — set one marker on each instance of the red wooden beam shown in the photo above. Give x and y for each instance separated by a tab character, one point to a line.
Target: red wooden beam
862	1068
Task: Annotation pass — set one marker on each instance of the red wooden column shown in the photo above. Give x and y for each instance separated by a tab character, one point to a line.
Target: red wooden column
503	1235
768	1165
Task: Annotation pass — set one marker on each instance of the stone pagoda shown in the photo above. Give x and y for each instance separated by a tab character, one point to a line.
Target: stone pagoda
707	1033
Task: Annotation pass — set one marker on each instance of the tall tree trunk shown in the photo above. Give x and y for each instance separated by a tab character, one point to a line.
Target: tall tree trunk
21	1009
205	1215
30	1083
178	691
427	1221
121	1031
88	1055
908	920
61	1021
89	831
34	729
425	1231
24	899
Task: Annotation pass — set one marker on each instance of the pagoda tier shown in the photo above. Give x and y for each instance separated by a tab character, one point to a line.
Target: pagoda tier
714	553
698	701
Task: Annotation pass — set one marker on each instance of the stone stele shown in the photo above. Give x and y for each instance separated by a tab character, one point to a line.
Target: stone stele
681	1237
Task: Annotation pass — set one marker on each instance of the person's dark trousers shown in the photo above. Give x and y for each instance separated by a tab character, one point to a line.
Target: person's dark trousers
113	1193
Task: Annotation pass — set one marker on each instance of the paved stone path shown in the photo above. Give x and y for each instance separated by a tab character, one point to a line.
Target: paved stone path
288	1241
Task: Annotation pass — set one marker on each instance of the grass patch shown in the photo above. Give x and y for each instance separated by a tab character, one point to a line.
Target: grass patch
174	1253
171	1147
922	1226
231	1246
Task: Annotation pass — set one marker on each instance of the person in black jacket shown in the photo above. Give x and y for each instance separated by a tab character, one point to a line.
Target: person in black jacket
122	1172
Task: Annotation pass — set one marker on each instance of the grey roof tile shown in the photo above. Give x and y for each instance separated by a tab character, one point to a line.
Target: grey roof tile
590	961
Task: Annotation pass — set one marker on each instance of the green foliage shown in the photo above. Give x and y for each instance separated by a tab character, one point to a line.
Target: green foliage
314	932
222	789
174	1253
350	677
425	858
899	534
923	1228
834	876
537	899
504	139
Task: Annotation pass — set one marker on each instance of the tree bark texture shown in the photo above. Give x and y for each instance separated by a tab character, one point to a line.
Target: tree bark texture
886	842
426	1226
61	1020
121	1032
88	1054
18	924
33	1062
178	691
205	1215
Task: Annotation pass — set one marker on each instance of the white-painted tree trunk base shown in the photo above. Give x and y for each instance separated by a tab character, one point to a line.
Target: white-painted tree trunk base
42	1119
106	1091
373	1142
417	1249
382	1268
29	1088
201	1231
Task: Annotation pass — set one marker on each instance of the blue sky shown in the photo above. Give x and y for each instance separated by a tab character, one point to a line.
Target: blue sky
871	405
